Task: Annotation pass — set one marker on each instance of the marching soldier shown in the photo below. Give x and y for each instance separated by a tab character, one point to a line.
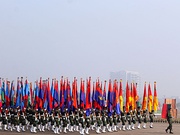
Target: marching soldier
64	121
169	119
129	118
88	123
76	120
133	119
123	118
0	118
56	121
104	120
22	120
82	122
16	119
151	117
139	117
98	118
93	119
4	119
115	121
71	120
144	116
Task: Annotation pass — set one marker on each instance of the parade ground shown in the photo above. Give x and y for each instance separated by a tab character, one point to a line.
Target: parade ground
158	129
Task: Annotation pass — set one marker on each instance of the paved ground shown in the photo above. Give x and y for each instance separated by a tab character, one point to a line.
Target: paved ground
159	129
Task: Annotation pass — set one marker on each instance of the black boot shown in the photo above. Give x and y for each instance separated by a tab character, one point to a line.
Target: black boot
166	130
171	131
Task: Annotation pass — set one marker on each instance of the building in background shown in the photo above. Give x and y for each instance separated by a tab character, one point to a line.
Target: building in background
129	76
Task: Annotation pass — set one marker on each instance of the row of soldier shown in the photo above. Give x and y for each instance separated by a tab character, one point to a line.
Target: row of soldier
78	120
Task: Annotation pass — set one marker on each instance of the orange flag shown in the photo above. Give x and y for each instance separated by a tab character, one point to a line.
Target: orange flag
132	96
144	103
135	95
155	100
121	96
127	97
150	99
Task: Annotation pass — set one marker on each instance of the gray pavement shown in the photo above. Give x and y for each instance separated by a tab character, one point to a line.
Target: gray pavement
159	129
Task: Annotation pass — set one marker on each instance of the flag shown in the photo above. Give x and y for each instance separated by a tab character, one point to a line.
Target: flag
135	95
45	99
30	95
36	101
62	89
82	95
155	100
25	94
110	99
93	97
3	93
74	94
116	99
18	94
128	97
7	94
69	101
41	95
22	93
11	95
121	101
144	103
98	96
88	97
104	95
55	96
132	96
150	98
49	97
0	93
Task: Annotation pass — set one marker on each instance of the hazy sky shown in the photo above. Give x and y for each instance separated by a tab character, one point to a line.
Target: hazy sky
91	38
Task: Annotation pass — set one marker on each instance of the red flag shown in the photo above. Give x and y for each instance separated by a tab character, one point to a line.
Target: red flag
121	96
150	99
155	101
127	97
74	94
144	103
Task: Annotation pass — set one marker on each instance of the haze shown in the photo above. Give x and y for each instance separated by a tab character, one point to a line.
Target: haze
85	38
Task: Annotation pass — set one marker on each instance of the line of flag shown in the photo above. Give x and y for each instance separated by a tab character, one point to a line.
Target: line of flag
63	94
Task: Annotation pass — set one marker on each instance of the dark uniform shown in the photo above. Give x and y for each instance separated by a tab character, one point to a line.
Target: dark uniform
123	118
139	117
169	119
133	119
4	119
144	116
151	118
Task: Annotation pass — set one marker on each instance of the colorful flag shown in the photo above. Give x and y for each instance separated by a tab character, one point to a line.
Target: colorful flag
62	89
88	97
135	95
18	94
82	95
104	95
93	97
12	95
144	103
128	97
7	94
150	98
55	96
36	101
121	96
3	93
74	94
69	101
133	103
155	100
49	97
110	99
98	96
0	93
